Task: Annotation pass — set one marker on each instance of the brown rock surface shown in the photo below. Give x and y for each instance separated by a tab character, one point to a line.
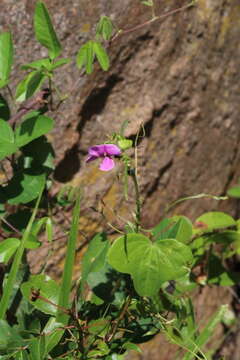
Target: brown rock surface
179	77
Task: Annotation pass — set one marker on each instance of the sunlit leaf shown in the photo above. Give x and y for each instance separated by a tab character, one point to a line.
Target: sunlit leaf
101	55
6	57
234	192
214	220
8	248
104	28
38	65
184	231
85	56
149	264
44	30
60	63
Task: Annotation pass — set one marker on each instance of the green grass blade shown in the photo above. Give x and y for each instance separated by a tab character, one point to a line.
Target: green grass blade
8	289
207	332
69	264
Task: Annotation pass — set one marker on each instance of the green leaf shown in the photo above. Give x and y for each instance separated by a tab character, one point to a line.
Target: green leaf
32	128
121	254
40	154
6	133
226	237
101	55
37	347
95	256
147	2
7	144
29	85
49	229
17	261
214	220
184	284
104	28
8	248
161	230
149	264
54	332
207	332
131	346
125	144
85	57
99	326
9	337
4	109
165	260
234	192
44	30
48	289
102	285
66	285
37	227
38	65
177	227
184	231
217	274
35	83
6	57
32	242
24	187
60	63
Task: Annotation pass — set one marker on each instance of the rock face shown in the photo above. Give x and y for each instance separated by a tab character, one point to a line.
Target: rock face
178	77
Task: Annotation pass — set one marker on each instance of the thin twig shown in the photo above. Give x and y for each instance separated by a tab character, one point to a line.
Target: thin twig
11	226
34	103
152	20
120	317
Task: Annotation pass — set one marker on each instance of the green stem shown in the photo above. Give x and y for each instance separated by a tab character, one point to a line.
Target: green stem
138	200
8	289
69	264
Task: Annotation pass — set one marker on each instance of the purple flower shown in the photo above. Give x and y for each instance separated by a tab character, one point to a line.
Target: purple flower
106	152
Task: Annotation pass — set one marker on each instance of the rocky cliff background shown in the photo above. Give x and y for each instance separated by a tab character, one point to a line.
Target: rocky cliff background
180	78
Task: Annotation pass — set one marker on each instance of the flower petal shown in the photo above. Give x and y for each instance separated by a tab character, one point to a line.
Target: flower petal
107	164
97	150
111	149
91	158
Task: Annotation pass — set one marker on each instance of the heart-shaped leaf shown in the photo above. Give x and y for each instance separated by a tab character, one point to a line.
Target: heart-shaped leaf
149	264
